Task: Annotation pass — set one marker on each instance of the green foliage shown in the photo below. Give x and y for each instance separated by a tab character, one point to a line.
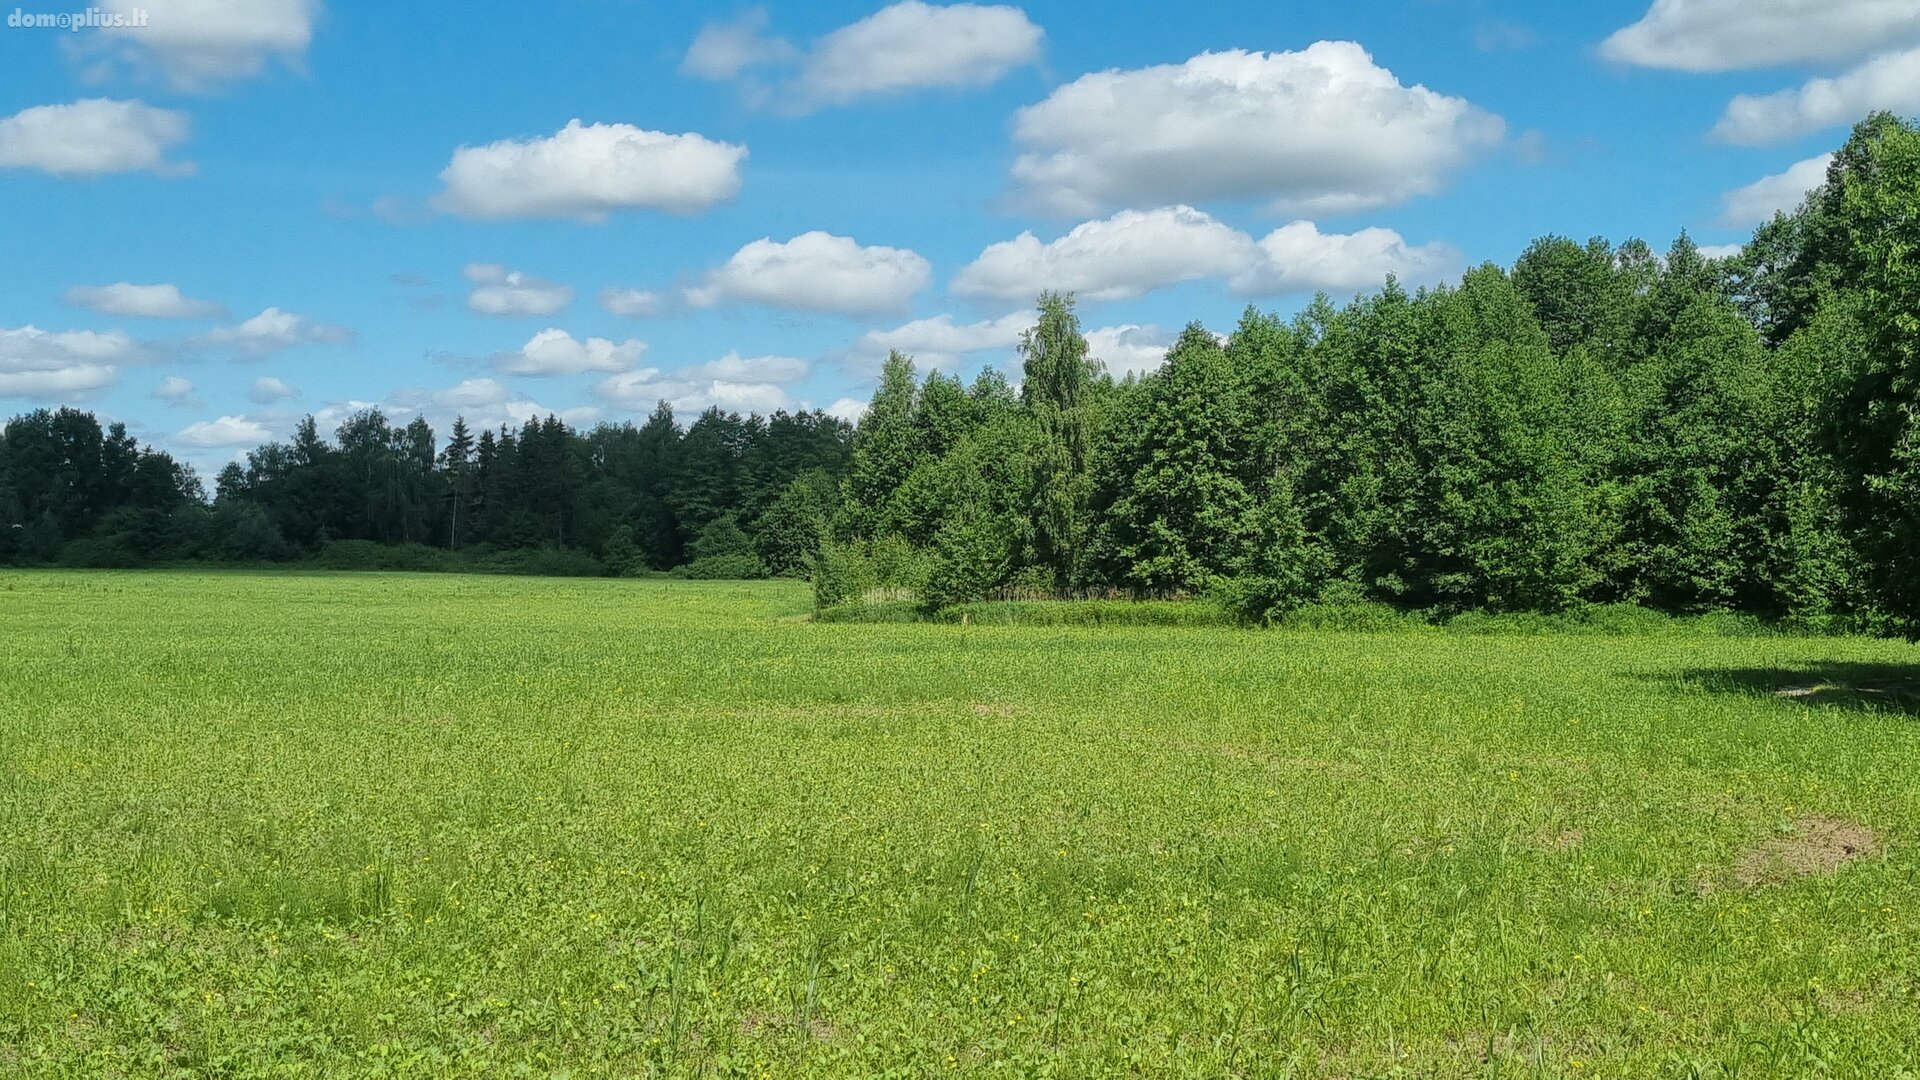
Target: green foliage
790	533
368	555
721	538
621	555
1601	425
535	562
1058	389
970	559
840	575
741	566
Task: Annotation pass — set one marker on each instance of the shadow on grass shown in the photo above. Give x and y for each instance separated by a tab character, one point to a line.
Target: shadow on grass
1877	687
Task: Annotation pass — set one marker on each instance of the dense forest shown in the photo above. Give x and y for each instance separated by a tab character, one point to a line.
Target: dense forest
1597	424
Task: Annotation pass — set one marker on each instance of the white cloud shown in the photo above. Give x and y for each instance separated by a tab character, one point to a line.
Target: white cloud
1320	130
46	365
1299	258
1759	201
499	291
225	431
746	369
93	137
266	390
1135	252
912	45
1720	251
1728	35
939	342
1885	82
1129	254
848	409
902	47
724	50
197	44
816	272
174	390
587	171
273	330
1130	349
733	382
556	352
142	301
486	404
634	303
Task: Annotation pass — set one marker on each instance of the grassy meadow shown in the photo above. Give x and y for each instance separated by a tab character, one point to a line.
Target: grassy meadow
310	825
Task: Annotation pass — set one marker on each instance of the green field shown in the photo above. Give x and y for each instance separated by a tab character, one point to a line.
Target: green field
389	825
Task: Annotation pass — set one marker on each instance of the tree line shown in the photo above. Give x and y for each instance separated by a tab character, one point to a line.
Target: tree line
1599	423
619	498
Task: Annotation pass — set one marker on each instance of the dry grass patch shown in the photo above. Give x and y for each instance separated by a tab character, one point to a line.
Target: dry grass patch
1813	845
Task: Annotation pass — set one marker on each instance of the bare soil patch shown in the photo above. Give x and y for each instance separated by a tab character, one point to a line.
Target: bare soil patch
1814	845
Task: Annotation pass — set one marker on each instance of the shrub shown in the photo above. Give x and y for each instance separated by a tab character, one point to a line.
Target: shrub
100	553
840	575
969	560
621	555
367	555
741	567
541	562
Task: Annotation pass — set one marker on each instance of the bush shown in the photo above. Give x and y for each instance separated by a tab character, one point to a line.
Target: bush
367	555
100	553
743	567
969	560
840	576
242	532
722	537
621	555
541	562
1365	617
896	565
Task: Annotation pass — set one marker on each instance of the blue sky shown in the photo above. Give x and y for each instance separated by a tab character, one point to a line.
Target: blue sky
217	222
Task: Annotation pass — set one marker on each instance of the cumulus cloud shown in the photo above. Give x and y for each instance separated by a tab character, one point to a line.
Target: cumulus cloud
197	44
1126	255
1759	201
1324	129
848	409
266	390
1135	252
93	137
816	272
499	291
587	171
224	431
484	403
175	390
939	342
725	49
47	365
555	352
1885	82
634	303
1130	349
142	301
1728	35
733	382
273	330
911	46
1299	258
900	48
